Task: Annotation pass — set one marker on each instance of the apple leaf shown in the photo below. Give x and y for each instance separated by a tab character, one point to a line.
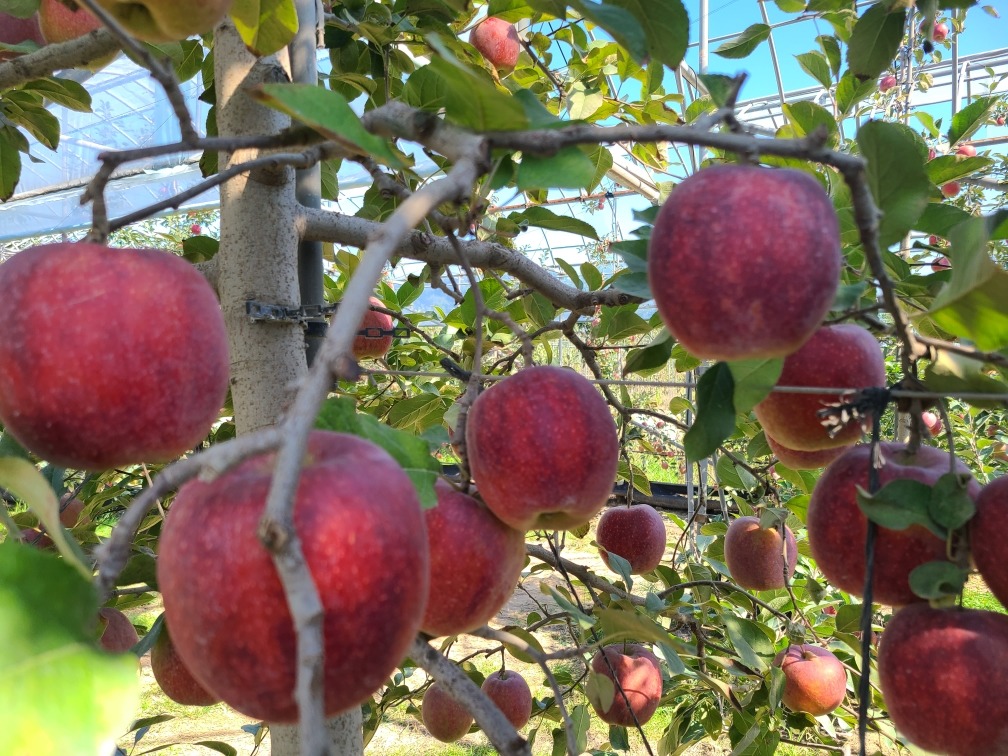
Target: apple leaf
20	8
543	217
951	506
569	168
817	66
265	26
952	373
899	504
754	648
626	625
939	218
753	381
851	90
715	419
947	168
875	40
666	27
966	122
651	358
623	25
775	686
413	453
600	689
743	45
935	580
621	567
329	114
61	693
580	719
564	603
619	739
848	618
516	651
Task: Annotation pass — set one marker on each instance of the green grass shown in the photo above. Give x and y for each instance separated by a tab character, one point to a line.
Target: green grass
976	595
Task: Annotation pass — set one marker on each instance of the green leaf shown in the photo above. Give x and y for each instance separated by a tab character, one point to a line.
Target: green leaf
968	120
619	739
621	567
807	117
950	372
10	164
265	26
411	452
875	40
65	92
329	114
754	648
715	420
753	380
951	505
592	276
935	580
26	110
61	694
939	218
525	635
817	66
580	719
744	43
620	323
899	504
719	86
651	358
539	309
954	167
665	24
627	624
569	168
851	90
634	284
896	175
543	217
624	26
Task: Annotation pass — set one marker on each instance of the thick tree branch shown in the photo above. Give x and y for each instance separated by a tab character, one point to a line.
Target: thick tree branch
77	53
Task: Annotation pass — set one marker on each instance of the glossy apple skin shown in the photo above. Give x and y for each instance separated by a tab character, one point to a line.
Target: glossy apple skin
639	674
987	537
498	42
717	260
837	356
14	31
109	357
804	460
815	681
543	449
636	533
167	20
363	536
366	346
755	555
944	679
444	717
119	634
511	694
475	563
173	677
837	528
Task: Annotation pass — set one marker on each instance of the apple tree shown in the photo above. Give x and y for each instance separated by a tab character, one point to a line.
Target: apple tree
831	293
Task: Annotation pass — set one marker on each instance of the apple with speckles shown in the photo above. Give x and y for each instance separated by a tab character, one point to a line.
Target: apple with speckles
815	680
755	556
636	533
715	269
639	675
511	694
355	508
445	718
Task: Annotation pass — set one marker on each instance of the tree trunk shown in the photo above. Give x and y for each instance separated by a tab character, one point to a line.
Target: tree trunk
258	261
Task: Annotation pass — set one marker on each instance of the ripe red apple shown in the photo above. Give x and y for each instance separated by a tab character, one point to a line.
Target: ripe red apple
933	422
837	527
942	263
939	31
510	693
475	563
362	532
71	509
966	149
172	675
987	536
37	537
837	356
639	675
886	83
804	460
444	717
543	449
951	189
636	533
815	681
498	42
718	250
1000	120
167	20
755	555
15	31
944	679
377	334
109	357
60	23
118	634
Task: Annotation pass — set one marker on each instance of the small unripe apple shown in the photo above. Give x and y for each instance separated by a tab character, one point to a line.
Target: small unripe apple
498	42
966	150
511	694
636	533
887	82
755	556
950	189
639	675
374	335
815	681
444	717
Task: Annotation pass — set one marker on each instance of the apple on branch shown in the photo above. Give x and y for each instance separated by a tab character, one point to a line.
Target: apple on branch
636	533
511	694
755	556
638	673
497	40
444	717
815	680
172	675
374	336
16	31
118	634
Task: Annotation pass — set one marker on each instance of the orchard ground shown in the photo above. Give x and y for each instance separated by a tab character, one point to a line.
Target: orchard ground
403	735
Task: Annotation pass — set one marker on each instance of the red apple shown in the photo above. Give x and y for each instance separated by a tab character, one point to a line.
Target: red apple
37	537
71	511
837	356
636	533
363	536
940	264
804	460
172	675
933	422
886	83
60	23
755	556
837	528
638	673
510	693
931	153
933	240
444	717
475	563
815	681
944	679
939	32
543	449
374	335
167	20
966	149
15	31
987	536
498	42
118	634
1000	120
715	269
109	357
951	189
